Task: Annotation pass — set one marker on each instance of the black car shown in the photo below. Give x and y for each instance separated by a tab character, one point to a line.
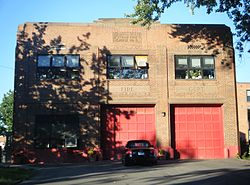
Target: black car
139	152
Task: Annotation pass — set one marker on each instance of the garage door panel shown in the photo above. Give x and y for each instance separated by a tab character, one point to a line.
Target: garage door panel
191	126
182	117
140	118
217	135
141	135
132	127
123	126
182	135
215	117
190	117
122	135
217	143
141	126
208	126
198	117
207	117
182	126
201	143
209	143
216	126
149	127
208	135
198	131
200	126
149	118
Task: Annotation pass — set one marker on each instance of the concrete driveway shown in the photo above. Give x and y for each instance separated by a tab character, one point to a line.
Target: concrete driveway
185	172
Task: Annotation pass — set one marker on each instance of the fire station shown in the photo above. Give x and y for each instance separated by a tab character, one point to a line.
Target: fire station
81	86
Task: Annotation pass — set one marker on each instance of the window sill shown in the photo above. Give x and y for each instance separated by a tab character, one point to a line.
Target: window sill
127	79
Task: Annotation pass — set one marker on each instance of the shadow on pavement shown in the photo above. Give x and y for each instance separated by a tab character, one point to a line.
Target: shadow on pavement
185	172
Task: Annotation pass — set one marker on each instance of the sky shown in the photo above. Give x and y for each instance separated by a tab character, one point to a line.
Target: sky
15	12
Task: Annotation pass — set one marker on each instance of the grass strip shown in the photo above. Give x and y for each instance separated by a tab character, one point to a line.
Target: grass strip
13	175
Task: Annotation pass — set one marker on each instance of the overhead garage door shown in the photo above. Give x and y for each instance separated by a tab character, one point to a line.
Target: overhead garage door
123	123
198	132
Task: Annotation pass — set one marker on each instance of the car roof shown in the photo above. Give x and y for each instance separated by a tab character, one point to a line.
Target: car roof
139	140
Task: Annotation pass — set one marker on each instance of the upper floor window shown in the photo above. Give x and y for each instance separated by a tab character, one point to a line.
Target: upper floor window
248	95
194	67
127	67
58	66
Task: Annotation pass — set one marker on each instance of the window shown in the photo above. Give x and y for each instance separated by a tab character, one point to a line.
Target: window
57	131
127	67
58	66
248	95
194	67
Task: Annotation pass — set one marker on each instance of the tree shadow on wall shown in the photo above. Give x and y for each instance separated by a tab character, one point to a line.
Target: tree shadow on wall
209	39
112	147
34	96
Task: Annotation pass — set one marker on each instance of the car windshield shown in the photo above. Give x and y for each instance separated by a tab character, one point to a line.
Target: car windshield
138	144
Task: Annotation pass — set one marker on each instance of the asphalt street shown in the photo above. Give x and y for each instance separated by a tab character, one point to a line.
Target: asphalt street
184	172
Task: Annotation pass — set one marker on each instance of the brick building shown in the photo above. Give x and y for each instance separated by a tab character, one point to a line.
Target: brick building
243	99
79	86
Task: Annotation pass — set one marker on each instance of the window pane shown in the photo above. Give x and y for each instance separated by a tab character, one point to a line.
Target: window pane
58	73
195	62
114	73
248	95
195	74
181	63
44	73
70	141
208	73
43	61
209	62
181	74
72	60
73	74
127	61
58	61
141	61
114	61
128	73
141	74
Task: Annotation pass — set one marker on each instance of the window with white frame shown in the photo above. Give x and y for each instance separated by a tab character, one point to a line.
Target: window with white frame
194	67
127	67
58	66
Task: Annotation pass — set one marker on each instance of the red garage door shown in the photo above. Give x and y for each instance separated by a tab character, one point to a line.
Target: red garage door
198	132
123	123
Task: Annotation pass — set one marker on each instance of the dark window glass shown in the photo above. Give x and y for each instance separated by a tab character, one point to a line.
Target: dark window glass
44	61
127	67
58	67
72	61
114	61
194	67
58	61
248	95
57	131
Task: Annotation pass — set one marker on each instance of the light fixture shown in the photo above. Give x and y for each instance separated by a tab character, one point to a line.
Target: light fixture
163	114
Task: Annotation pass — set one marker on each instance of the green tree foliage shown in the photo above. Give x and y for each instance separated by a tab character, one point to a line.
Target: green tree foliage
148	11
6	112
